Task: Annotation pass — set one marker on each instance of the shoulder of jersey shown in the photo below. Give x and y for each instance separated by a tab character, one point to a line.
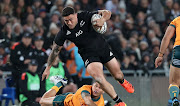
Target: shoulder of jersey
81	16
178	18
63	28
23	76
87	86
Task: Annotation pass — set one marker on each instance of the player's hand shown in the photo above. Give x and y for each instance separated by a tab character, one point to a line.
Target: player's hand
158	61
46	73
99	22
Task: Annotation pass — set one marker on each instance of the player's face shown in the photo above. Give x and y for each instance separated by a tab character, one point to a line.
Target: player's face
71	20
96	90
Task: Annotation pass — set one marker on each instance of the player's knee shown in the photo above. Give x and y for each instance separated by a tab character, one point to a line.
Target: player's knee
100	79
93	71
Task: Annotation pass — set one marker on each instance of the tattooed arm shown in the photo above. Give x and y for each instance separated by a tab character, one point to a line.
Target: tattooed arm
52	56
87	99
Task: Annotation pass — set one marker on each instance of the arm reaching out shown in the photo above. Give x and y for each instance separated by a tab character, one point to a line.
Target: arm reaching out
87	99
52	56
164	44
106	14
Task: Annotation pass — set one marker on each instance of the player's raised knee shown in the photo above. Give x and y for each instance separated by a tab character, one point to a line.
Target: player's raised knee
93	71
100	79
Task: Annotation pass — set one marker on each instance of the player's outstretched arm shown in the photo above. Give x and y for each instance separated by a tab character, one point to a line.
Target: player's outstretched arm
48	97
51	58
106	14
87	99
164	44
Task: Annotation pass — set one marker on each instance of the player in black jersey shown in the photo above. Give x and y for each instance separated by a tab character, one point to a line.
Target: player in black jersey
92	48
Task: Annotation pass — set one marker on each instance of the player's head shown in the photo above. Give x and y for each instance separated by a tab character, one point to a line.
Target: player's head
70	17
96	89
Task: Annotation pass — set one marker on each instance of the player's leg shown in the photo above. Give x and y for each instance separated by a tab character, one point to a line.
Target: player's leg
47	101
174	76
114	68
174	81
109	60
95	69
49	96
55	100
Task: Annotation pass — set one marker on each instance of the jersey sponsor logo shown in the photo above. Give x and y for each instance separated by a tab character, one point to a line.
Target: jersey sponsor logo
174	93
68	32
82	23
111	53
86	62
79	33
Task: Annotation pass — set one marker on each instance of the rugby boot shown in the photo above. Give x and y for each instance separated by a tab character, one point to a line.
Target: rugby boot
127	86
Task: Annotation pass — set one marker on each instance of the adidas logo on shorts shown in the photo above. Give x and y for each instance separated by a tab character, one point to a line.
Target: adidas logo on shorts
111	53
86	62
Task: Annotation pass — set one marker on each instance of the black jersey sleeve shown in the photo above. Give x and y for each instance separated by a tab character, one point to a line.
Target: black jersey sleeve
87	15
60	38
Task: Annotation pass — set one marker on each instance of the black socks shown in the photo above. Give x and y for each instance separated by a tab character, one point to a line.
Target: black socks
117	99
121	81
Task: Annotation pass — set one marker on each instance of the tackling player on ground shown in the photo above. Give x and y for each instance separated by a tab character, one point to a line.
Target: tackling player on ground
87	95
92	47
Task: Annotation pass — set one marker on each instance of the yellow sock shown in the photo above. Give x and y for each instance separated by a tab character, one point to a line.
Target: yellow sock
56	88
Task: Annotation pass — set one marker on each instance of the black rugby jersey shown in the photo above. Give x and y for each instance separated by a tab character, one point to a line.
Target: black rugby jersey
83	35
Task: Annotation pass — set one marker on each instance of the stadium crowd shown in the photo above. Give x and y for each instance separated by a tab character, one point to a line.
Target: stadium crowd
136	27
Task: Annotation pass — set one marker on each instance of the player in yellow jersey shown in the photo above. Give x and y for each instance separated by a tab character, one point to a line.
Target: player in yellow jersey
174	76
87	95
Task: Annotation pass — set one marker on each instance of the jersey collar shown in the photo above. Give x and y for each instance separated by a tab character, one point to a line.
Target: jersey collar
95	100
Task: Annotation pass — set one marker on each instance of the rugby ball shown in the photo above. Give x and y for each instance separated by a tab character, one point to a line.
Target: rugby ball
98	29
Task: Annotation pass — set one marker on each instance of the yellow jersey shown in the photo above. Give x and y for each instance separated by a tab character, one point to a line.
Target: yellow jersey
176	24
77	100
